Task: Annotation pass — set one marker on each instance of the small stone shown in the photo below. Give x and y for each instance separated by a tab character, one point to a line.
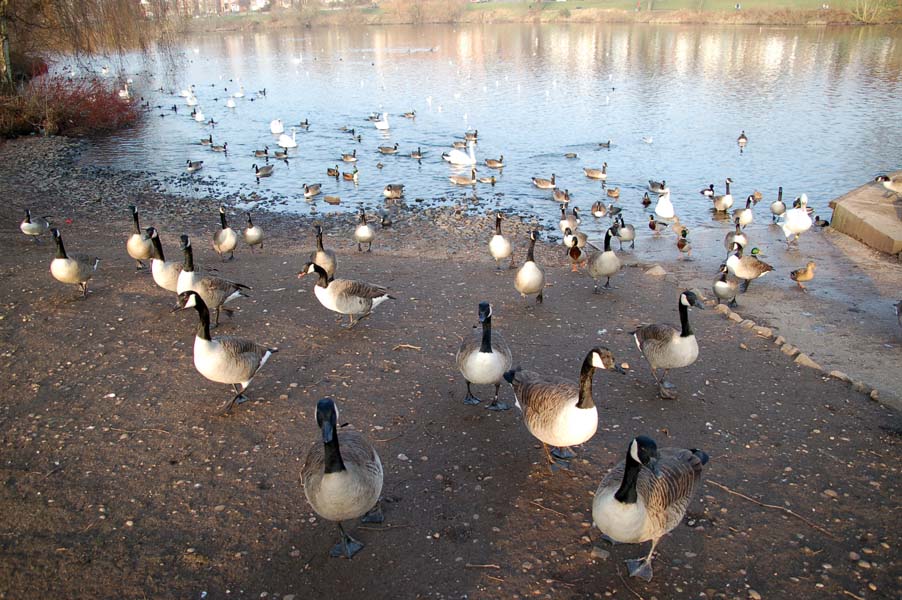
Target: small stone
129	523
403	457
805	360
789	350
600	553
853	556
283	396
839	375
722	309
735	317
742	346
656	271
864	564
875	395
831	494
753	595
294	553
219	508
861	387
764	332
288	597
747	324
779	340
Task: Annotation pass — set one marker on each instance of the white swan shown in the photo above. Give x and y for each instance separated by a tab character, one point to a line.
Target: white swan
276	127
459	157
191	100
186	93
382	125
287	141
230	103
239	93
664	207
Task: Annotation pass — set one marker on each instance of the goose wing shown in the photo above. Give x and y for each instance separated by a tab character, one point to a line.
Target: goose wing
358	289
757	267
542	395
649	338
87	264
242	355
355	451
216	290
668	490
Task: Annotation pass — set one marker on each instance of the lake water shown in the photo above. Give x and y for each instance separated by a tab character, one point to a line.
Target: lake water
819	106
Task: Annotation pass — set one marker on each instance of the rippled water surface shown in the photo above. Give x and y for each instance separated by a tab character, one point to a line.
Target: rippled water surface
819	106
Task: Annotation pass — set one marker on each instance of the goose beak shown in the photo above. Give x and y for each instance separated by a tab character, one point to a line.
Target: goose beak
327	431
698	304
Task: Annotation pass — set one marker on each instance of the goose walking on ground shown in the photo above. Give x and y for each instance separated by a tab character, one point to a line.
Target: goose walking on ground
646	496
216	292
796	220
599	174
544	184
568	221
735	237
556	411
225	239
364	233
253	234
746	268
342	477
230	360
725	288
345	296
625	233
165	272
34	226
499	246
483	358
803	275
530	278
745	215
892	185
139	246
322	257
604	264
665	347
725	202
777	207
72	268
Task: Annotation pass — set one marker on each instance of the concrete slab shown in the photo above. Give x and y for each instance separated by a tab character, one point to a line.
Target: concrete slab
868	215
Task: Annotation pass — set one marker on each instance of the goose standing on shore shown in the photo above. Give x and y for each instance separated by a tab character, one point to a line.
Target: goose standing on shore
724	288
499	246
604	264
364	233
253	234
322	257
345	296
735	237
342	477
230	360
556	411
625	233
225	239
165	273
665	347
744	215
72	268
746	268
216	292
139	246
34	226
777	207
646	496
530	278
892	185
483	358
725	202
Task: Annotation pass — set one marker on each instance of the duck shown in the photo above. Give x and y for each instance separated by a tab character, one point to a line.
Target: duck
352	176
746	268
499	246
655	225
333	172
777	207
230	360
194	165
225	239
342	477
742	140
389	149
416	154
745	215
735	237
575	253
561	195
556	411
495	163
276	127
530	278
72	268
664	207
625	233
345	296
725	202
604	264
646	495
677	228
600	174
253	234
892	185
224	147
286	141
665	347
463	180
803	275
382	124
657	187
34	226
139	245
646	200
352	157
568	221
364	233
262	153
489	180
411	114
683	244
725	288
207	141
796	220
581	238
599	209
216	292
613	192
393	190
606	144
312	189
821	222
544	184
461	158
165	273
708	192
264	171
483	357
322	257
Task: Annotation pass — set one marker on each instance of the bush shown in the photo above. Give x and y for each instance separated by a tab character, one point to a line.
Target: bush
60	106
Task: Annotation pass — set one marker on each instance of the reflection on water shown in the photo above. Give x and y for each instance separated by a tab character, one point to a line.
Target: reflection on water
818	105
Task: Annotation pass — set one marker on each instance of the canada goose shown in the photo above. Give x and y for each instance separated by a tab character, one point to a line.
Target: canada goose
606	144
571	155
352	176
657	187
412	114
139	246
544	184
574	252
683	244
724	288
556	411
604	264
352	157
225	239
379	165
276	127
742	140
459	144
194	165
342	480
802	275
393	190
777	208
364	233
463	180
646	496
253	234
264	171
33	226
389	149
461	158
312	189
333	172
725	202
416	154
666	348
224	148
495	163
646	200
561	195
614	192
72	268
600	174
530	278
655	225
281	155
483	358
215	291
625	233
382	124
489	180
745	215
471	136
230	360
207	141
322	257
599	209
262	153
571	221
165	273
708	192
345	296
893	185
796	220
664	207
500	246
581	238
305	125
746	268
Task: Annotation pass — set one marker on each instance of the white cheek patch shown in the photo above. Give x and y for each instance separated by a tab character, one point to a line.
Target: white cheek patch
634	451
192	301
683	300
597	362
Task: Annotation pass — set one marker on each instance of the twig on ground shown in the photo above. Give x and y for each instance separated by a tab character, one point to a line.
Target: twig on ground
548	509
472	566
390	439
627	586
364	527
139	430
856	596
494	578
408	347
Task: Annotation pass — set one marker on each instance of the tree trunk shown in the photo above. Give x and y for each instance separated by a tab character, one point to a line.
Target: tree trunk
6	71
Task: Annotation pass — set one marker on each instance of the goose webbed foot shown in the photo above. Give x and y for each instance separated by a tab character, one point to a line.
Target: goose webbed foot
666	391
640	567
471	399
608	286
359	247
595	289
563	453
498	406
357	320
733	303
346	547
139	266
633	245
540	298
609	539
374	515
